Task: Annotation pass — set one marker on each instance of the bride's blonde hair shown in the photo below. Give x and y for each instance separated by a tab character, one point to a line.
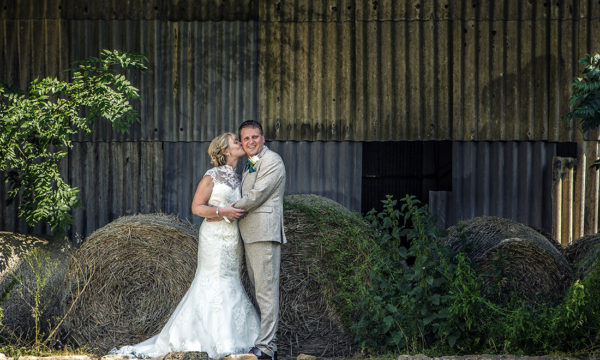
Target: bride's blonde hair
218	148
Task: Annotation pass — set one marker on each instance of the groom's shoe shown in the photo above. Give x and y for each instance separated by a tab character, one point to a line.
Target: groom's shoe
261	355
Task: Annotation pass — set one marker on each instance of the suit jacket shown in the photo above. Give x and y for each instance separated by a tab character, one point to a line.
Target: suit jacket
262	198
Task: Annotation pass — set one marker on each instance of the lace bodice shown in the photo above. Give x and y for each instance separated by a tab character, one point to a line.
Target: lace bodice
226	188
224	174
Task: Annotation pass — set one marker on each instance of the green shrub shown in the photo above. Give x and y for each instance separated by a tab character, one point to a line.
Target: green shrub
483	324
520	327
406	307
423	298
575	323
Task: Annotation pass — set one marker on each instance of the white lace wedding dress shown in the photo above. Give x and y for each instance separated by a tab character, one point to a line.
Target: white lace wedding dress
215	315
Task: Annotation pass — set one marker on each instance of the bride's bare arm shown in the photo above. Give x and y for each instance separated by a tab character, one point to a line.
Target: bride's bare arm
200	205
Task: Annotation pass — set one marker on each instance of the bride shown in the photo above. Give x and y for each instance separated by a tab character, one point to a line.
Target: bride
215	315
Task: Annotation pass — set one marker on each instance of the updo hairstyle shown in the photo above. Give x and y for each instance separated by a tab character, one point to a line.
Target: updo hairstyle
218	148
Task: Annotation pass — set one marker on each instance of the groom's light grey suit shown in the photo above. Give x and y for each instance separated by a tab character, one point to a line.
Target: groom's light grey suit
262	232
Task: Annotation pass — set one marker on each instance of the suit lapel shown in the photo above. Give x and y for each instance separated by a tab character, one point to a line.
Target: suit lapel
246	174
244	177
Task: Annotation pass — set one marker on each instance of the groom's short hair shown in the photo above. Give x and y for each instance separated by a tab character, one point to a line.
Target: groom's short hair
249	123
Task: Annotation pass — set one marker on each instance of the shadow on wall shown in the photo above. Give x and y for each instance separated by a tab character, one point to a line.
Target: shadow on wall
524	104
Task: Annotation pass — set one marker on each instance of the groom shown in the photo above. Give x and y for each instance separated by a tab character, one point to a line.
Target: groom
263	183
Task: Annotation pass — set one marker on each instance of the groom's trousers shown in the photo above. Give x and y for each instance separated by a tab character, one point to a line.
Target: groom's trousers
263	261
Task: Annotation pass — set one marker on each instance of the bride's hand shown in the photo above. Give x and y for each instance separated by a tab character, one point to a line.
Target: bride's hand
231	213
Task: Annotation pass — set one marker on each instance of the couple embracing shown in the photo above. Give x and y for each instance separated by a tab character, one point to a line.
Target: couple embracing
216	315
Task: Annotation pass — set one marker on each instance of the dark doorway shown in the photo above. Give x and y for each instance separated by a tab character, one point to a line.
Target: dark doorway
399	168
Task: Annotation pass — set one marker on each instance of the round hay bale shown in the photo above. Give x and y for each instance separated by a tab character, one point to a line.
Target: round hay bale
551	240
513	258
583	253
127	278
140	266
22	259
310	323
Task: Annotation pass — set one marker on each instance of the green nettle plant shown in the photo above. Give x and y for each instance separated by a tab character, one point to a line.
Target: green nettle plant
407	307
36	128
585	100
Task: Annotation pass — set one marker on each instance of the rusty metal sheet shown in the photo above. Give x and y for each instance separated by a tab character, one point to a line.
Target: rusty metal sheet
391	71
489	71
174	10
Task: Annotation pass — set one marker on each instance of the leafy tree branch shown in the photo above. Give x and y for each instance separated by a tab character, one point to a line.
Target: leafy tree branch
36	127
585	100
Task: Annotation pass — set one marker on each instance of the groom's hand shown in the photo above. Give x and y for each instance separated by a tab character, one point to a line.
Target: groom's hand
228	212
231	213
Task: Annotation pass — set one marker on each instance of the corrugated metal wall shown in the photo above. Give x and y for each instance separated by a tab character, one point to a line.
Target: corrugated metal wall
338	71
506	179
411	70
167	10
323	70
203	80
124	178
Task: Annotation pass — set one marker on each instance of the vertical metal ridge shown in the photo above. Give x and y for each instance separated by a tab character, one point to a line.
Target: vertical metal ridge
206	10
506	179
201	81
119	178
505	73
507	56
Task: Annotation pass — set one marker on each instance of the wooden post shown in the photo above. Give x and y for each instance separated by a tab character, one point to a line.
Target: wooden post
579	197
562	199
556	198
590	192
567	206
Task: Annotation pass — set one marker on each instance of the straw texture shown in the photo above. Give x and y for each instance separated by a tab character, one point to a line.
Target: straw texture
513	258
582	254
138	268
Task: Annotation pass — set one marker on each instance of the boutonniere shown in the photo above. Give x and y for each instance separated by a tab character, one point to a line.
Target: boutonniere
252	160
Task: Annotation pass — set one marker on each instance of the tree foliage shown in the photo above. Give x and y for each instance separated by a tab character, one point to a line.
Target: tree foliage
36	127
585	100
